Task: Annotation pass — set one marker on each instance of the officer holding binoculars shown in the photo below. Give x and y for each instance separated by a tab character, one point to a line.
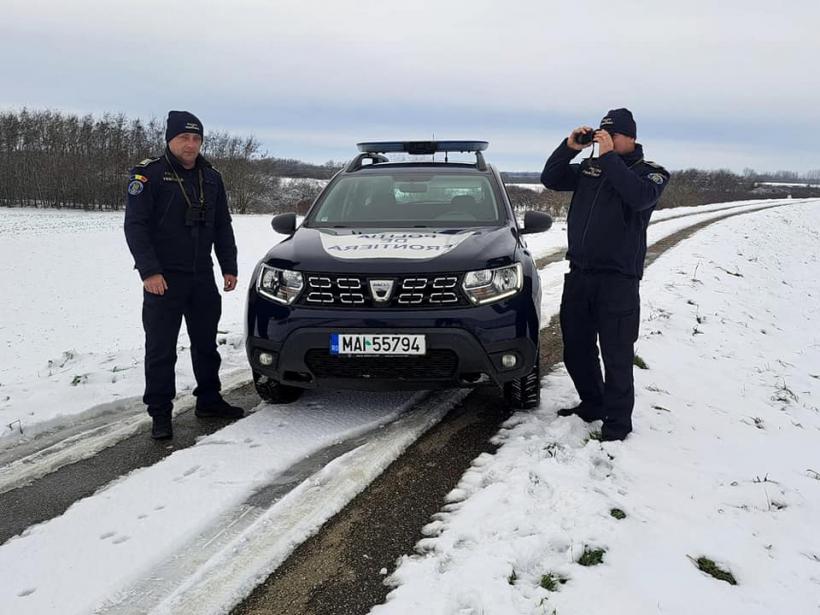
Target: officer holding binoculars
177	211
613	198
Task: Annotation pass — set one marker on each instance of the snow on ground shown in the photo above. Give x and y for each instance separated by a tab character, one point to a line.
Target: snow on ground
555	239
71	326
723	462
158	522
318	184
533	187
805	184
123	535
663	224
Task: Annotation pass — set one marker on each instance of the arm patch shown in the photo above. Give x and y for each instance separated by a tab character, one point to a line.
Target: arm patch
135	187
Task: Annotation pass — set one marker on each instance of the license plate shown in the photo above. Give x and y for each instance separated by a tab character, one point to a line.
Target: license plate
377	344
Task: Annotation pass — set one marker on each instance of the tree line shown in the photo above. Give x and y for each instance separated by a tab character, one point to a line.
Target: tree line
54	159
62	160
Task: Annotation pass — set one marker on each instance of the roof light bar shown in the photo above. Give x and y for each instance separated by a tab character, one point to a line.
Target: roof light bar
421	148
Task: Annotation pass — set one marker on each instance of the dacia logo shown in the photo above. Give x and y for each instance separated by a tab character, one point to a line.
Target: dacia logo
381	290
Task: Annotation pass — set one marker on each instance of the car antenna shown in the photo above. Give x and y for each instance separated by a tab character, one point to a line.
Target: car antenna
446	153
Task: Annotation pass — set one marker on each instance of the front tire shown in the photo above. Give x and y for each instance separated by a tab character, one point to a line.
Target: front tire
275	392
524	393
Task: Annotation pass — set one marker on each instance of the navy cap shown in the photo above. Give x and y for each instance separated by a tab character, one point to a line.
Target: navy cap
180	122
620	121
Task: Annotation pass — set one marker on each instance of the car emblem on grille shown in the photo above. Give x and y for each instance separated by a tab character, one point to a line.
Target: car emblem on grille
381	290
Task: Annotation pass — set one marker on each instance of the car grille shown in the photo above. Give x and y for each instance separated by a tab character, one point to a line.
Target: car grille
439	364
412	291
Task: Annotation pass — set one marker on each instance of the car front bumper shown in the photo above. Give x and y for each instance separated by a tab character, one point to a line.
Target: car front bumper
464	345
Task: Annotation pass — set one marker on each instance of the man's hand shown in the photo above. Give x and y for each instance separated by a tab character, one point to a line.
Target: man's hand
230	282
572	143
155	284
604	140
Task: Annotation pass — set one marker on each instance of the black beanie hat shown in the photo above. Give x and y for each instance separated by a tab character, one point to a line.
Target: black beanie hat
182	121
620	121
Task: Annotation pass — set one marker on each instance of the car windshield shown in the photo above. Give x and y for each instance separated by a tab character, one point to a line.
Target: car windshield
408	200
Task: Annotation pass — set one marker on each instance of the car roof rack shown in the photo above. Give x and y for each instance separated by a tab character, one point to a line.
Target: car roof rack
374	149
357	162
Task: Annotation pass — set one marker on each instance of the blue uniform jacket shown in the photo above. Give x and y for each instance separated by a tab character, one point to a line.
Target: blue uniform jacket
155	219
613	199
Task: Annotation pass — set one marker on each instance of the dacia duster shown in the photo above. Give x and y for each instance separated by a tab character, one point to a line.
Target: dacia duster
402	275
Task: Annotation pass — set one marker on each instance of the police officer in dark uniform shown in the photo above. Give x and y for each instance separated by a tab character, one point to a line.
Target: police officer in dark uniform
177	212
613	198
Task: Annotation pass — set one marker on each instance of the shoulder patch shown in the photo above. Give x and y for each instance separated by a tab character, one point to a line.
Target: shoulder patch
658	178
148	161
135	187
139	178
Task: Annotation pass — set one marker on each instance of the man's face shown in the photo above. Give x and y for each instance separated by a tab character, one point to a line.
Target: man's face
185	147
622	144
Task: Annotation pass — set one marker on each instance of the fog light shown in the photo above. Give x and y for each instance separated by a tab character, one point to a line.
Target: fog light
509	360
265	358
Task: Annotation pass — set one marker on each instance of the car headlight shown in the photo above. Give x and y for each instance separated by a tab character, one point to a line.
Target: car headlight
280	285
487	285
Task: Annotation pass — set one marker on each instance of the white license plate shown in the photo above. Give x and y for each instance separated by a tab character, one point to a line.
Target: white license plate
377	344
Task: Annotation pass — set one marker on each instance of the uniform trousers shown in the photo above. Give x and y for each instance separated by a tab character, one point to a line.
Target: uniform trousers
195	297
599	307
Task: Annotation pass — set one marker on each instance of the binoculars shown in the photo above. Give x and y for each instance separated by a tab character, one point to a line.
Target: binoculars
582	138
195	216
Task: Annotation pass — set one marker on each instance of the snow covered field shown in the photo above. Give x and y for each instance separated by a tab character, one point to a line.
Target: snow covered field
71	326
531	508
723	463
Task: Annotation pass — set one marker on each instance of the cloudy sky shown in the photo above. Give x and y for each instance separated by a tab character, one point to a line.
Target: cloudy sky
729	84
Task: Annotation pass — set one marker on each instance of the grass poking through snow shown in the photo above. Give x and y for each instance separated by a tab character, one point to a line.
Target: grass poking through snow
708	566
552	582
591	557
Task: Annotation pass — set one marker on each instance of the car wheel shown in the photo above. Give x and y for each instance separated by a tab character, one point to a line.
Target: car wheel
274	392
524	393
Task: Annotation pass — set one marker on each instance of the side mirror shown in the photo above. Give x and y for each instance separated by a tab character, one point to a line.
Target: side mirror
536	222
285	224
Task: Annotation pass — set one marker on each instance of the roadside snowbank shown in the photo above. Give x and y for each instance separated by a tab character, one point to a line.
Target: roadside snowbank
723	463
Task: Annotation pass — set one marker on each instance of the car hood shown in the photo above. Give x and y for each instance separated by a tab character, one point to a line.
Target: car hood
395	250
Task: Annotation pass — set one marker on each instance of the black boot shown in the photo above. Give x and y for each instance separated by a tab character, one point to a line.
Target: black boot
585	411
613	430
219	409
162	429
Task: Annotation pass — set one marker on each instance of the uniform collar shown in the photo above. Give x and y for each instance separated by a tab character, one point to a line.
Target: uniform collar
178	165
633	156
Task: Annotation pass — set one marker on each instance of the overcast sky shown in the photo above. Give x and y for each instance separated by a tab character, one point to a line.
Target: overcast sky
728	84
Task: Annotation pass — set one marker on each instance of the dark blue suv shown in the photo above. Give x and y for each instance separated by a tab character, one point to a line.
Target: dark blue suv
403	275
